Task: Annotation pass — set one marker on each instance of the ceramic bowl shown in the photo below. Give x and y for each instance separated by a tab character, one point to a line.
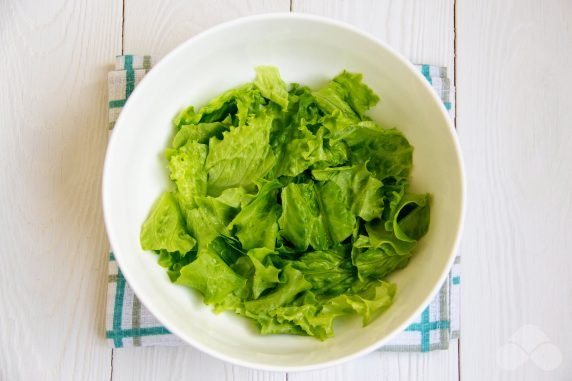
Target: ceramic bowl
308	50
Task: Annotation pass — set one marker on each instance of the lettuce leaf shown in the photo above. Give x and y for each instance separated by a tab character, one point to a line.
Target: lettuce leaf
367	306
200	133
271	86
362	193
310	317
303	106
265	275
358	95
174	261
164	229
211	276
239	102
346	97
300	149
330	272
314	215
411	221
256	224
188	173
377	264
386	151
380	238
241	157
292	284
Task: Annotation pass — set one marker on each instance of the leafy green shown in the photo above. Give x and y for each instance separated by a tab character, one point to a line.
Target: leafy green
290	206
239	102
379	238
360	97
200	133
368	306
303	106
386	152
187	171
241	157
346	99
265	274
204	226
314	215
411	221
330	272
211	276
361	192
174	261
271	86
256	224
299	152
377	264
164	229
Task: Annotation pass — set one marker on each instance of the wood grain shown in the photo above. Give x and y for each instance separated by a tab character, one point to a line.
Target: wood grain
515	125
382	366
53	119
180	363
421	30
156	27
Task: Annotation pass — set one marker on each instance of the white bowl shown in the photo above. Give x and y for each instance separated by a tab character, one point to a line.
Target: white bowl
308	50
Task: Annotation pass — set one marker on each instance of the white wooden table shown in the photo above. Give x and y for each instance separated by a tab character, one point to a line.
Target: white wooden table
512	61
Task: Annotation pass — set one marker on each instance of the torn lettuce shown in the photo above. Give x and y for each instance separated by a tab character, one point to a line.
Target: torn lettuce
164	229
289	206
242	156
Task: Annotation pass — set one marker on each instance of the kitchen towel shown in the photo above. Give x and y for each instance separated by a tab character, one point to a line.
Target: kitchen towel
129	323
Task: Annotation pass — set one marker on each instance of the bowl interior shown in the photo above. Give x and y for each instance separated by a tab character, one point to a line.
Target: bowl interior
309	51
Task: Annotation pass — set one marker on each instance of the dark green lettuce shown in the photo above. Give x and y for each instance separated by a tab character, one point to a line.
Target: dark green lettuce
290	207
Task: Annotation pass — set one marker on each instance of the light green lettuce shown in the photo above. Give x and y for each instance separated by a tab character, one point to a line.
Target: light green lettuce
289	206
314	215
241	157
361	192
271	86
211	276
164	229
256	224
186	166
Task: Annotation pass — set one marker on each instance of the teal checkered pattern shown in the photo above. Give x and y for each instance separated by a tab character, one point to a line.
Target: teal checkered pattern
129	70
129	323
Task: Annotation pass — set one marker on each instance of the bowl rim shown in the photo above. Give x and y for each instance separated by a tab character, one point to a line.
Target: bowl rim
278	17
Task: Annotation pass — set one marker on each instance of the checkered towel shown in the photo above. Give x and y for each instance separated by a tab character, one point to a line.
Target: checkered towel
129	323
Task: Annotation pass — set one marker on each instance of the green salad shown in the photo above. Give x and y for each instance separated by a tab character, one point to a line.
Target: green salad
289	206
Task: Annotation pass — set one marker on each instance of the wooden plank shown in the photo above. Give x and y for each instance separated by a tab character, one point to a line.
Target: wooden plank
514	121
422	31
155	28
381	366
178	363
53	113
